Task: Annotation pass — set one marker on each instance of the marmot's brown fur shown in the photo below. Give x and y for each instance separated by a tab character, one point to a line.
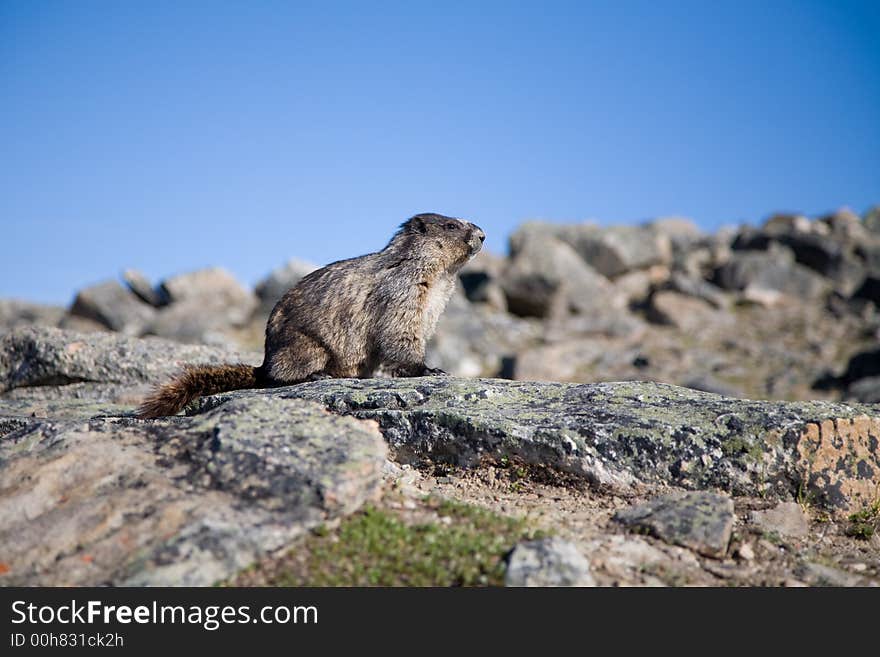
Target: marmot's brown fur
349	318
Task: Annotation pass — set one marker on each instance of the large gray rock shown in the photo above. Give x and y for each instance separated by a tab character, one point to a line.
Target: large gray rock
700	521
869	289
681	231
473	339
280	280
817	574
114	307
770	270
548	562
202	304
480	279
619	434
686	313
142	288
615	250
785	519
15	314
829	246
41	356
697	288
115	501
866	390
547	278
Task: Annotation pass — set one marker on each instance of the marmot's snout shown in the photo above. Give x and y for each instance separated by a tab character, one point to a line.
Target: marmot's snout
476	237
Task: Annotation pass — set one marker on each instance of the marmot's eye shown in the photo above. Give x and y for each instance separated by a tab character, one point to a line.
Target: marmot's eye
450	226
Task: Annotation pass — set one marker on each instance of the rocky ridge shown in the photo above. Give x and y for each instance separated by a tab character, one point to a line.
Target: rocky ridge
671	407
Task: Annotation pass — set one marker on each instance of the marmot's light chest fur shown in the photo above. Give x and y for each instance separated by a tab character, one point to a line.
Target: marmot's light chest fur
348	319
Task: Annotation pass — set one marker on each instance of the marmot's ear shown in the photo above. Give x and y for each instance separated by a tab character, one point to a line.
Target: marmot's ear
417	225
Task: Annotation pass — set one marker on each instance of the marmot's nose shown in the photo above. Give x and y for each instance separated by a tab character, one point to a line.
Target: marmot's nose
479	233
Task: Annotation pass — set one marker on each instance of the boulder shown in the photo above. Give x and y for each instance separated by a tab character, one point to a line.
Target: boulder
548	562
698	288
869	290
699	521
827	246
683	312
480	279
865	390
786	519
115	501
202	305
41	356
280	280
773	270
15	314
114	307
619	434
473	339
680	230
142	288
569	360
546	278
616	250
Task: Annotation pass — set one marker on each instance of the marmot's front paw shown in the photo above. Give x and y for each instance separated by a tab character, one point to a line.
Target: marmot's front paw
433	371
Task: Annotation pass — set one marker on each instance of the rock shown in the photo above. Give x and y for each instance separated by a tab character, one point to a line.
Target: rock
202	306
680	230
15	314
627	559
480	279
114	307
862	365
845	226
39	356
785	224
637	285
546	278
708	383
771	270
82	325
700	521
204	283
548	562
697	288
565	361
762	297
786	519
612	323
826	246
280	280
473	339
866	390
746	552
869	289
619	434
683	312
141	287
816	574
616	250
190	502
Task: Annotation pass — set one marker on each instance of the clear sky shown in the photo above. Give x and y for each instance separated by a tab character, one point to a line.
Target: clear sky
168	136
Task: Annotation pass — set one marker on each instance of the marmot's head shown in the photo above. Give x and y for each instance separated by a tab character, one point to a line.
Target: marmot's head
455	239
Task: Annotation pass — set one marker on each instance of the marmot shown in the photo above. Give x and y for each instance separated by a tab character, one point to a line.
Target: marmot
349	318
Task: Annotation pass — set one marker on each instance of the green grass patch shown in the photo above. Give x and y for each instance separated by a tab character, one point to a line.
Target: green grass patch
864	524
463	545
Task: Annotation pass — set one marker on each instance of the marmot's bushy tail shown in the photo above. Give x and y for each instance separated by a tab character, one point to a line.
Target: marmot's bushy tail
196	381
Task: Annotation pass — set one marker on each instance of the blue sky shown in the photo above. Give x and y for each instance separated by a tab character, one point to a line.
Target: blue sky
168	136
